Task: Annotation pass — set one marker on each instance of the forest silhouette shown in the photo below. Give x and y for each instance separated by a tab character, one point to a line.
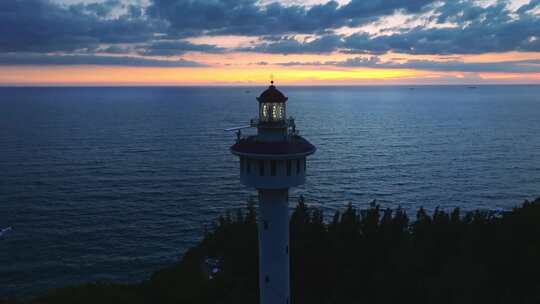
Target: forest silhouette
358	256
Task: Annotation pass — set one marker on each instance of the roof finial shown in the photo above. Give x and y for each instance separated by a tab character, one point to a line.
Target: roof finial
271	79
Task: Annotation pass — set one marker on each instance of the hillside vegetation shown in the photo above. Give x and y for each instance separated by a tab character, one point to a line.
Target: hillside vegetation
359	256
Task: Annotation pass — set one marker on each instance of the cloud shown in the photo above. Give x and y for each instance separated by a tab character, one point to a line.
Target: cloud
99	9
526	8
518	66
357	9
42	26
475	39
161	28
42	59
242	17
289	45
179	47
478	30
474	30
115	49
249	17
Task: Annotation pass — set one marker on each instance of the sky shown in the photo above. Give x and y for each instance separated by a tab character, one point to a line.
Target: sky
248	42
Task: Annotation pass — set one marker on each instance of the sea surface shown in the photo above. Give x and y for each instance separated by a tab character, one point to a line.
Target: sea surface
113	183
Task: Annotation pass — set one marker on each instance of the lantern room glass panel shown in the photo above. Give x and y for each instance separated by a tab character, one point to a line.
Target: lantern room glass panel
272	111
264	114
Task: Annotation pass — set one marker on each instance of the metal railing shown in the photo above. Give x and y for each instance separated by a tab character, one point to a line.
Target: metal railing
255	122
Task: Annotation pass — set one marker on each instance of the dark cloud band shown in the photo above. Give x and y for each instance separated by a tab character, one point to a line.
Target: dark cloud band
517	66
42	59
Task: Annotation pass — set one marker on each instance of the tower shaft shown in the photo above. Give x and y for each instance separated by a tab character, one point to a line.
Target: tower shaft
274	246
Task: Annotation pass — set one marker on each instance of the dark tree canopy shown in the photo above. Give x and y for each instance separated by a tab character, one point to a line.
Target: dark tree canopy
360	256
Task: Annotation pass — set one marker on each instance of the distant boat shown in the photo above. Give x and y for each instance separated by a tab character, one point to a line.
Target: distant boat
5	231
471	87
248	91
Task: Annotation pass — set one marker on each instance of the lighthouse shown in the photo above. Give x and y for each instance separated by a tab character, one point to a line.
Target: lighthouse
272	161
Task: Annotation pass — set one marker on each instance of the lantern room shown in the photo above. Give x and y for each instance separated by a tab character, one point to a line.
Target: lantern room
272	108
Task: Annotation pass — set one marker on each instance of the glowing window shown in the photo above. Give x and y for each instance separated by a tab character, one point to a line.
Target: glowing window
277	111
272	111
265	112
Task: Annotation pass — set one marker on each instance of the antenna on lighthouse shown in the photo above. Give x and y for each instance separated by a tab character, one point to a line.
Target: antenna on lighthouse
237	128
238	131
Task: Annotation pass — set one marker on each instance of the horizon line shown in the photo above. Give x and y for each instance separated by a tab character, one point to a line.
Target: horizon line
101	85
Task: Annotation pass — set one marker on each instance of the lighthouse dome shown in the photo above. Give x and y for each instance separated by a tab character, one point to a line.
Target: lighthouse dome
271	95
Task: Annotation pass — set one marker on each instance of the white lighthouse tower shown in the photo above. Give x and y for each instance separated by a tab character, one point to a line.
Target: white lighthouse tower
273	161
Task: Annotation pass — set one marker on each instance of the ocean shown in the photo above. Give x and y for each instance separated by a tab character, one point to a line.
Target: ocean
112	183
